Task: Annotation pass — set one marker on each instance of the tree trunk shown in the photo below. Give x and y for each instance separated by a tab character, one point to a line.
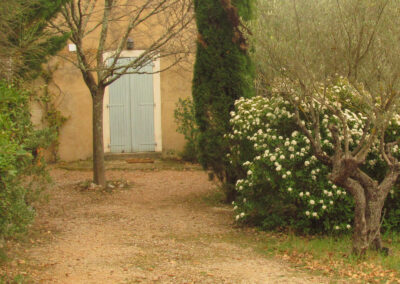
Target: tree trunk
98	143
367	221
229	185
369	198
374	216
360	242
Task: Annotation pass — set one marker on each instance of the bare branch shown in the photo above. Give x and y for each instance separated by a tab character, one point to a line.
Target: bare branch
108	5
79	19
315	144
88	9
363	138
338	145
389	181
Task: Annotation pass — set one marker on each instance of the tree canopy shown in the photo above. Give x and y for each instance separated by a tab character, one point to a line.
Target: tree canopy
302	49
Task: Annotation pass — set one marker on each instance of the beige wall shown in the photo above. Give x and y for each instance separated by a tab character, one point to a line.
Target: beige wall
76	135
175	83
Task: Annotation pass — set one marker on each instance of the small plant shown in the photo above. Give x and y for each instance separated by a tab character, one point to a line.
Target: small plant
185	119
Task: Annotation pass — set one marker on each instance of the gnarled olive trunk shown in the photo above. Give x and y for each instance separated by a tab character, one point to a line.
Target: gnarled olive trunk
369	198
98	143
367	220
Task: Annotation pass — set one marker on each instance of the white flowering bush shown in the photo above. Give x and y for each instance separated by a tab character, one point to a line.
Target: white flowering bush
284	184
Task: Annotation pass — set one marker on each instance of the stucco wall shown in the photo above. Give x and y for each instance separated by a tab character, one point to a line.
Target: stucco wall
175	83
76	135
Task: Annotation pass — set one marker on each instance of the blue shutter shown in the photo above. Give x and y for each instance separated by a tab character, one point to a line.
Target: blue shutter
132	112
142	117
120	114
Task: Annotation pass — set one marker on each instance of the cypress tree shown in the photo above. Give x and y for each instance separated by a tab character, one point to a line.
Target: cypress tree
222	74
27	38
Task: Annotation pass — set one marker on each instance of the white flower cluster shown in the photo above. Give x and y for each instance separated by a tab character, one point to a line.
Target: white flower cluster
235	208
282	154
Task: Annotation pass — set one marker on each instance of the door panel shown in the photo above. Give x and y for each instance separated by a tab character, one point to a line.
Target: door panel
132	112
143	111
120	115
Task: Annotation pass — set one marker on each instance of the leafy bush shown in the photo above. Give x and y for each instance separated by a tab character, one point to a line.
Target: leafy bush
284	184
21	165
185	119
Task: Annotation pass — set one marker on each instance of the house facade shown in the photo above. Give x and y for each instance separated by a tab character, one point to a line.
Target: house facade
138	114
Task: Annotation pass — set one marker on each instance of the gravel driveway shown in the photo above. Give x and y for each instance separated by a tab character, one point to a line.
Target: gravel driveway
161	230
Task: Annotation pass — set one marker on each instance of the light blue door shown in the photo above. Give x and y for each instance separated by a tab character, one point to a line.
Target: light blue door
132	112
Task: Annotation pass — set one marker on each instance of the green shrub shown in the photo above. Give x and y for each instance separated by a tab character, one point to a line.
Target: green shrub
185	119
22	168
223	72
284	184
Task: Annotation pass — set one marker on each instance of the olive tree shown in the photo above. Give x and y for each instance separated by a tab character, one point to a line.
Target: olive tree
302	46
100	26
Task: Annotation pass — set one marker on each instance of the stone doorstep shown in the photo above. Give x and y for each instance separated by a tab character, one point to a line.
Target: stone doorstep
138	155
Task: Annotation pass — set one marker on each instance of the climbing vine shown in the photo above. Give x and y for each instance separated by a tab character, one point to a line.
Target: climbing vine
52	116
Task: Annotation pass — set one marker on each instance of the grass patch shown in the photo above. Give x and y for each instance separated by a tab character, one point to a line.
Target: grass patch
18	279
332	256
3	254
214	198
329	255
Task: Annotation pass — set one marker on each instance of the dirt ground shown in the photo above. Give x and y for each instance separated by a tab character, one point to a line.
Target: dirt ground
164	229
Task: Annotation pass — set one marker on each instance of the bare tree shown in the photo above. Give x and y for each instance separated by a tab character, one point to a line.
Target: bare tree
100	26
308	44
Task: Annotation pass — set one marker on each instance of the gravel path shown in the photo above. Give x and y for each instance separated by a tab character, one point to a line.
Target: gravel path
159	231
